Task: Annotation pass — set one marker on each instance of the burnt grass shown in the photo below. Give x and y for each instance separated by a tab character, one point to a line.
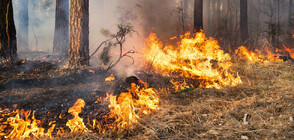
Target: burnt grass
50	90
262	107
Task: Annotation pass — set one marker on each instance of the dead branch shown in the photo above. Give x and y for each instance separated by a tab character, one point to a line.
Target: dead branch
111	65
103	43
119	39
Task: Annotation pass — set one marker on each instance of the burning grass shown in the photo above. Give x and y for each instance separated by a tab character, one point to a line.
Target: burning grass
260	107
124	110
197	58
197	92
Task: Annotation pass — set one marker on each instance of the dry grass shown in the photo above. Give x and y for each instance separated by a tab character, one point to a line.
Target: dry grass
266	97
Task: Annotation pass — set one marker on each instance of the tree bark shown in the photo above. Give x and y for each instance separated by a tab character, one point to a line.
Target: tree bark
244	21
275	8
79	33
185	15
230	24
208	15
61	34
218	14
198	15
8	40
290	11
213	21
23	30
258	23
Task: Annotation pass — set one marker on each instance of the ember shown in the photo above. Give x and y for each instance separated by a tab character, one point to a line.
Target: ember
110	78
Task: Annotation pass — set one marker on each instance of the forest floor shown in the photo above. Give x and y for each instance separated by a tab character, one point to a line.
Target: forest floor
261	107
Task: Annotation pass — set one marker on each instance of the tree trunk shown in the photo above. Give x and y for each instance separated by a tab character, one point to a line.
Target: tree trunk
23	30
230	25
182	5
61	34
8	40
208	15
278	24
79	33
275	8
258	24
213	16
218	14
198	15
185	15
290	12
244	21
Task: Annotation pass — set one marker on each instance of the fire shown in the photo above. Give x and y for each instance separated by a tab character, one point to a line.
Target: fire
256	56
288	50
126	109
110	78
196	58
179	85
24	127
76	124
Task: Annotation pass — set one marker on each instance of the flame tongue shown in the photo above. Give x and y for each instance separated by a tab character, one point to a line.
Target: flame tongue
24	128
193	58
76	124
290	51
257	56
126	109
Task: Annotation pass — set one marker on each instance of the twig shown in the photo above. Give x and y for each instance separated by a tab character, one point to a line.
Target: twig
111	65
120	38
245	122
249	131
104	42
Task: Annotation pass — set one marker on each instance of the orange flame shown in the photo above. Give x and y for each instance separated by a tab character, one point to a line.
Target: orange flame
126	109
76	124
290	51
179	85
24	128
197	58
257	56
110	78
